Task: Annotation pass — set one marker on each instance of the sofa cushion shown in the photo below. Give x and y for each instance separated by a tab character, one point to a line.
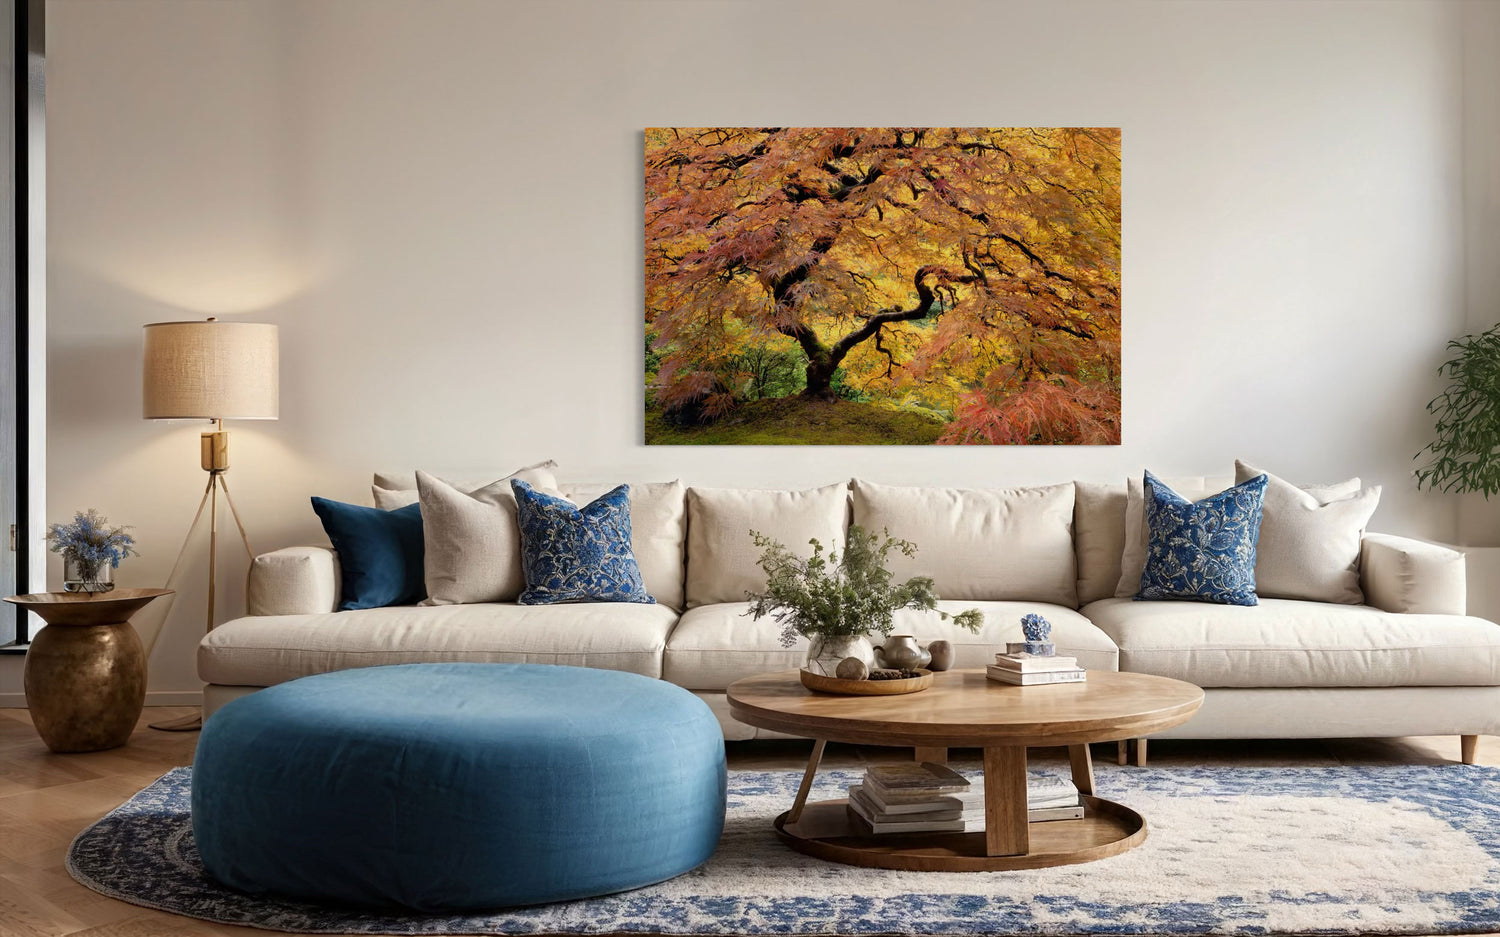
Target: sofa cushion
1309	546
1098	537
993	544
1291	643
721	557
268	650
715	645
658	531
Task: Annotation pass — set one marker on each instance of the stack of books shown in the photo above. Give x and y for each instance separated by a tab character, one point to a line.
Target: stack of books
931	798
1029	670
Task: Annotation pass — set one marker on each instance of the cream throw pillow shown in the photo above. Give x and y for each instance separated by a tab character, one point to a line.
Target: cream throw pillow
473	540
1309	542
721	557
982	544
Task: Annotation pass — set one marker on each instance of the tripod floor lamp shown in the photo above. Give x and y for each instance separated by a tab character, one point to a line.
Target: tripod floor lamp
215	371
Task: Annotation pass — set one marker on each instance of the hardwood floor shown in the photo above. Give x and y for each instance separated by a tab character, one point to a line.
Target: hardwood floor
45	799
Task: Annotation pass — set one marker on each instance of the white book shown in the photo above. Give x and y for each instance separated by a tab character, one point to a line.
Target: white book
1001	675
1028	664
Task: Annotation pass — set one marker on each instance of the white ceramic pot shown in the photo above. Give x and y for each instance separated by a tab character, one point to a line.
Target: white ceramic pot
825	653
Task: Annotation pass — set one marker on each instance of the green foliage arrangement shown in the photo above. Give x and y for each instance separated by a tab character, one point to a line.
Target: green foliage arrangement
850	594
1465	456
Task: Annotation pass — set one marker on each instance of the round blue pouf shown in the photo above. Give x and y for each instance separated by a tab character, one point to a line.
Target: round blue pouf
453	787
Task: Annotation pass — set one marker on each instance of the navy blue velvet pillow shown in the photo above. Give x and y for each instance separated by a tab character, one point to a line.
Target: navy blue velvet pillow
1202	550
380	553
573	554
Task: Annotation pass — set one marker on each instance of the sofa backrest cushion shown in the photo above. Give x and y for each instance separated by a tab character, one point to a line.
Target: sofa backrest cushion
721	557
1098	538
391	490
983	544
658	531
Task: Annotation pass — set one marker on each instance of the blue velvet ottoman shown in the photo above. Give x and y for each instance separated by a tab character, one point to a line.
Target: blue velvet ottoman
451	787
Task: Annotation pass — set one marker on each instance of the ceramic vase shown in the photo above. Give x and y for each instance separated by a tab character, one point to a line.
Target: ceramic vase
902	652
826	651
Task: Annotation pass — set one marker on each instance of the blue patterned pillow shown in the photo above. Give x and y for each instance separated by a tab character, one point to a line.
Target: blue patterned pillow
1202	550
573	554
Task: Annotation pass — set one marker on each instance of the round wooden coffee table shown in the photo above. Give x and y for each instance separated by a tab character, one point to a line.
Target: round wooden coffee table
963	709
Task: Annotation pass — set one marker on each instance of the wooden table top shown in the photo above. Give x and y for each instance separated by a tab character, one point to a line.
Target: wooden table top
963	708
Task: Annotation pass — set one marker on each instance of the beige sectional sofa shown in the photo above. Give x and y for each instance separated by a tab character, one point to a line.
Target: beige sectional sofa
1407	662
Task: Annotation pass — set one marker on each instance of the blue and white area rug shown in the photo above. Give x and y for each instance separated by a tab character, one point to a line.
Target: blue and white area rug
1390	850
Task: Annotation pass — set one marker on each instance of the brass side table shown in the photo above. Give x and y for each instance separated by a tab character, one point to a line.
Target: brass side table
86	671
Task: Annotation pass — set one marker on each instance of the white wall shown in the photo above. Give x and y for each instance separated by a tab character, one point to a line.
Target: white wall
439	202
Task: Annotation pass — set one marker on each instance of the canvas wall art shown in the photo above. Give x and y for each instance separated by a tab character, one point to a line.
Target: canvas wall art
899	286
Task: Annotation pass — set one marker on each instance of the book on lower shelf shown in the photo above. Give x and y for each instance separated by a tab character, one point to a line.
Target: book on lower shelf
922	777
1017	678
1026	663
918	810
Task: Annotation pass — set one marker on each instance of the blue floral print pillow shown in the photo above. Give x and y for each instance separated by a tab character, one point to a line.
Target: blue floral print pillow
573	554
1204	550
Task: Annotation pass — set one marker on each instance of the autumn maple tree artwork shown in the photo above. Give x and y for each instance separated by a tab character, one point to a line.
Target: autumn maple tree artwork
882	285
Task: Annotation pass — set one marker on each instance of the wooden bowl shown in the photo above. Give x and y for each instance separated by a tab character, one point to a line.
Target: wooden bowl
821	684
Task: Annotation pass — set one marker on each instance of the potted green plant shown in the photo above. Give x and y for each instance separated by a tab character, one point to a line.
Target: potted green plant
839	600
1464	456
91	550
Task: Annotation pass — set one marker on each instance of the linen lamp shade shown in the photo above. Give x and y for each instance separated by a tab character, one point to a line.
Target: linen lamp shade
211	370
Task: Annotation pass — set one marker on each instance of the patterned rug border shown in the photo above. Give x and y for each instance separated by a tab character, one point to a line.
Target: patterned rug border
289	916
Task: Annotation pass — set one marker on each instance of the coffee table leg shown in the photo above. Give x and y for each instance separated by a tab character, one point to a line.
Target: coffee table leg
1083	768
793	815
1006	831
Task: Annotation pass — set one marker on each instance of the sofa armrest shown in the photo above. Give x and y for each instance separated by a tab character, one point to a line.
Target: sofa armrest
1399	574
294	581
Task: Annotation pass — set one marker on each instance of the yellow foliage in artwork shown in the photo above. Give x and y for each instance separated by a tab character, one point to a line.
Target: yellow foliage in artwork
966	277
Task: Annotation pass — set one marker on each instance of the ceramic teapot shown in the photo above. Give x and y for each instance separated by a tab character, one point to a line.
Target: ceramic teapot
902	652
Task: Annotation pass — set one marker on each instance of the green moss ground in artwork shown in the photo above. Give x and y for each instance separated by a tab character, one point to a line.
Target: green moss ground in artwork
797	420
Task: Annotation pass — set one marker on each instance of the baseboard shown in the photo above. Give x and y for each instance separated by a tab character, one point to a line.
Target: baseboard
153	698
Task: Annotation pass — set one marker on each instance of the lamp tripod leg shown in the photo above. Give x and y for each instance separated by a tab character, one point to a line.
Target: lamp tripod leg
234	512
194	721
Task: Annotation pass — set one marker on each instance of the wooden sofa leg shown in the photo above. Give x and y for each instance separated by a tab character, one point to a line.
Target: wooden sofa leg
1140	753
1466	745
1122	753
